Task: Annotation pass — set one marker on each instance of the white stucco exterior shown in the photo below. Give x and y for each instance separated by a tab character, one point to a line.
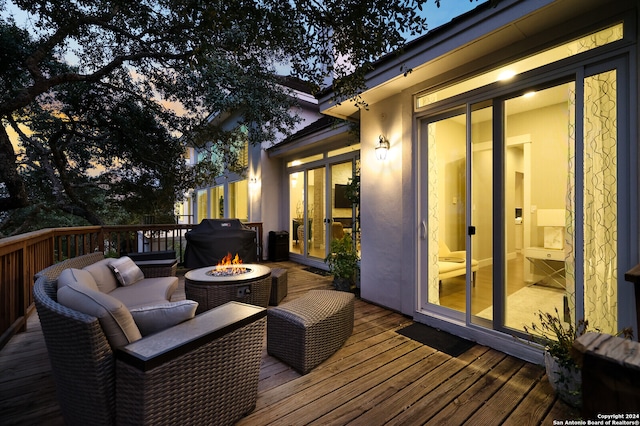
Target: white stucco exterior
267	197
392	190
480	40
388	212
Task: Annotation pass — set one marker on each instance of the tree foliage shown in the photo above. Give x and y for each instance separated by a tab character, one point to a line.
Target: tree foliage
105	93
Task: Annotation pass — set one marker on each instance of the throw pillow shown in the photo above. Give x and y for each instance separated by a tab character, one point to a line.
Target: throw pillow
103	275
115	319
153	318
73	275
127	272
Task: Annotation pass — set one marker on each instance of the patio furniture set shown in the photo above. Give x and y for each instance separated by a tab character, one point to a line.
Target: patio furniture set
122	353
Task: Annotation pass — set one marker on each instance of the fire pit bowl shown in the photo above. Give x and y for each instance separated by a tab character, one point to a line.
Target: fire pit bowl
210	288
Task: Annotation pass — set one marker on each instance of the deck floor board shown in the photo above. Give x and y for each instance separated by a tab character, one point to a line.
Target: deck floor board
377	377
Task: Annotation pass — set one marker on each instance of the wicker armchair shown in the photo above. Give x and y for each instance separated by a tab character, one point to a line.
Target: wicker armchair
202	371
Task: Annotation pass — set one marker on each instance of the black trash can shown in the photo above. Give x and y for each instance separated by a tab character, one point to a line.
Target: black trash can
278	246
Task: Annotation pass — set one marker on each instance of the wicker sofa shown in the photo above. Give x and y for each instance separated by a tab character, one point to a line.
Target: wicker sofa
201	371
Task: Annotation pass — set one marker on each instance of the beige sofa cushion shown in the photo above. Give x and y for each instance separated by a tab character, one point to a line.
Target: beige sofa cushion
116	320
146	292
153	318
103	275
126	271
73	275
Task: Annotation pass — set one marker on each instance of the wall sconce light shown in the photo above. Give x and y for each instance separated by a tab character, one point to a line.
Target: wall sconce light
382	148
254	183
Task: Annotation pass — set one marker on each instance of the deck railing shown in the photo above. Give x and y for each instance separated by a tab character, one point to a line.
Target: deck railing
24	255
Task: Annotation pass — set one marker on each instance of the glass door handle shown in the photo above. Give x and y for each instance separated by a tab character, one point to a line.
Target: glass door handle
423	230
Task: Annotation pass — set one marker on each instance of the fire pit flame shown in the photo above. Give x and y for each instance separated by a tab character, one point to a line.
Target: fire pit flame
229	266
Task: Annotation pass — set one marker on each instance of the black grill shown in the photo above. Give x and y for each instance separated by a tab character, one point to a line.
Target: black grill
213	239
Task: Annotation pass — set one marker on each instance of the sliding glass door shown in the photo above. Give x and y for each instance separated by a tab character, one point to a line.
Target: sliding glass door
538	173
481	207
321	207
457	225
545	159
444	235
307	191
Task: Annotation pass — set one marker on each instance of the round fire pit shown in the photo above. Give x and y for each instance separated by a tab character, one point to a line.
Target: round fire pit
211	286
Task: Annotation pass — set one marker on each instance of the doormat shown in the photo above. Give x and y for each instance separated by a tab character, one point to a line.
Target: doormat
437	339
317	271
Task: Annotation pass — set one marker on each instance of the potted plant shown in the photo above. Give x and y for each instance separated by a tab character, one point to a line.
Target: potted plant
562	370
343	263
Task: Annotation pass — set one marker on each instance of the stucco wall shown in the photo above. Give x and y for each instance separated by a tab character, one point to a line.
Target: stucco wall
265	197
268	199
387	213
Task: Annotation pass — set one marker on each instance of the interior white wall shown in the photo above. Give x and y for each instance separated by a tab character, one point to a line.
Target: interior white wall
451	156
549	165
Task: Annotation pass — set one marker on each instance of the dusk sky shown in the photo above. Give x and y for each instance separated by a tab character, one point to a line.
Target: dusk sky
449	9
436	16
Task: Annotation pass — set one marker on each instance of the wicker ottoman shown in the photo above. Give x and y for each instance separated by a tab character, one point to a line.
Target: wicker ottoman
279	286
308	330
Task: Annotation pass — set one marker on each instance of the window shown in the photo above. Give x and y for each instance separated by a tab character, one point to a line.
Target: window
217	202
201	200
566	50
238	200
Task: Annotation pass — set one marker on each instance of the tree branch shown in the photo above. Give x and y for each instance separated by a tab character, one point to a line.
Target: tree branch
13	182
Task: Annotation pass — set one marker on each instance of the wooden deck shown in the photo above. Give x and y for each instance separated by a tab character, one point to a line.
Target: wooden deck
378	377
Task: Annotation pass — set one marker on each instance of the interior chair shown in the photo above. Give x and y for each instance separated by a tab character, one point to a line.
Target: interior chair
454	263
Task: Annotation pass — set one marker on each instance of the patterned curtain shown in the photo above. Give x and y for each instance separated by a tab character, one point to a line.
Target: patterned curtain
600	202
434	224
570	222
600	194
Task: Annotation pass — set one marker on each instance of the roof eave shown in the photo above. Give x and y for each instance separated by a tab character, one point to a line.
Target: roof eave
451	44
322	138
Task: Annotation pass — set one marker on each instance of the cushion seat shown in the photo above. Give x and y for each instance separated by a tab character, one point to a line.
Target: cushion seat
148	291
114	289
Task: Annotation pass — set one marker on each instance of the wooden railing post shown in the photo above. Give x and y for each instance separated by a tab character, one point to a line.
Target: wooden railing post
633	276
610	374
